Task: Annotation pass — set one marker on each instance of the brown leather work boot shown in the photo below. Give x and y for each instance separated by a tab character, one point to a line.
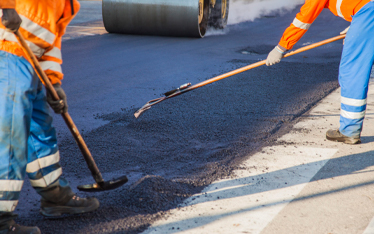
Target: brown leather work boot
18	229
76	205
335	135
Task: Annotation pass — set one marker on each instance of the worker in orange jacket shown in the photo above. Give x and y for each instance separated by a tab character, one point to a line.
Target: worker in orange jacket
356	62
28	143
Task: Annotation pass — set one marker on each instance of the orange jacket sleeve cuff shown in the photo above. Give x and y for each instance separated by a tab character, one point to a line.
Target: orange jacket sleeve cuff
291	36
7	4
54	77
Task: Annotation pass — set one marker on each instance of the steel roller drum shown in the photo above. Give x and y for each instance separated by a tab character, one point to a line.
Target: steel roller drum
186	18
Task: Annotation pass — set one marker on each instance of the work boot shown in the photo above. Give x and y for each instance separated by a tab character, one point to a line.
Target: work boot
76	205
335	135
18	229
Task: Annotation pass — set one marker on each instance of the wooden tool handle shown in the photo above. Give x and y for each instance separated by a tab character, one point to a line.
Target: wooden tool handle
37	66
68	120
263	62
173	93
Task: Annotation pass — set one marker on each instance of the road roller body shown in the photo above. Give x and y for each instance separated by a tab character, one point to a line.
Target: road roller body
184	18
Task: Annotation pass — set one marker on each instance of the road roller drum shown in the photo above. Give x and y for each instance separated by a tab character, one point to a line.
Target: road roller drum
185	18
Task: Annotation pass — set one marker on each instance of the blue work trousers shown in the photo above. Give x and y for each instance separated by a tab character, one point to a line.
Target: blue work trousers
354	72
28	143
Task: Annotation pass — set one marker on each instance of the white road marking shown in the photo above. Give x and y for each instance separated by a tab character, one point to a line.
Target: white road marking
89	34
246	204
75	26
370	228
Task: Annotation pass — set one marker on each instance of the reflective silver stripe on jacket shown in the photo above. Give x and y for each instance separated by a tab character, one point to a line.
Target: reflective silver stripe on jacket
51	65
33	28
338	6
9	36
299	24
37	30
55	52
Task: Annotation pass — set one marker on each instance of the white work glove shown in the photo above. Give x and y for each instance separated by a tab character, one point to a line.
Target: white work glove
60	106
275	56
11	19
345	31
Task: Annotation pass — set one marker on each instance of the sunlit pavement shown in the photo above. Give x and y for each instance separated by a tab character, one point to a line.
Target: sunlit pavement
302	184
88	21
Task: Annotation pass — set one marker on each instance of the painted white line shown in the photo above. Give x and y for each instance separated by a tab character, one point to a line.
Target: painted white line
72	26
370	228
89	34
246	204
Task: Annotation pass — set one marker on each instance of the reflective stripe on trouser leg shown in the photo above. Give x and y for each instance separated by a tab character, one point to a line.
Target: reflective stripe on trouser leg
43	168
16	90
354	72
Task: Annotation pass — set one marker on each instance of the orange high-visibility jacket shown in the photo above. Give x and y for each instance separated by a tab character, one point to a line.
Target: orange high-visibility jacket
43	24
310	11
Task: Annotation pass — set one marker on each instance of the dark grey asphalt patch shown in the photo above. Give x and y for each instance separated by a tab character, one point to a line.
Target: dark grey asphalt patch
187	142
257	50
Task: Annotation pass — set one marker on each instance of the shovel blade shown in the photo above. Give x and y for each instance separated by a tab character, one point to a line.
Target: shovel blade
106	185
141	110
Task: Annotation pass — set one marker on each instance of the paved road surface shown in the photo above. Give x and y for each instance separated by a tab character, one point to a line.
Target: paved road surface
180	146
